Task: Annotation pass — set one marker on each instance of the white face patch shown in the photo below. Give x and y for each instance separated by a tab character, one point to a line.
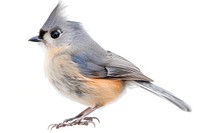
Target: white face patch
48	40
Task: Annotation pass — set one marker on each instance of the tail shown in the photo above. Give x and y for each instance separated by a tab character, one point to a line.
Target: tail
164	94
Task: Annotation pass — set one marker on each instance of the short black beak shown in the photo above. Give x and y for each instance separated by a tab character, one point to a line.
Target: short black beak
35	39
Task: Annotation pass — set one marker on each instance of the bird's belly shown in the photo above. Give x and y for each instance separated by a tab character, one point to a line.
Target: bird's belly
65	76
69	86
90	92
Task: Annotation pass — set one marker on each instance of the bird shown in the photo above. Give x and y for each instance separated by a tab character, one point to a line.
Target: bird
81	70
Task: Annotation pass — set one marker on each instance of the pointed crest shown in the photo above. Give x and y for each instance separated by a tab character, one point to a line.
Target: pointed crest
56	17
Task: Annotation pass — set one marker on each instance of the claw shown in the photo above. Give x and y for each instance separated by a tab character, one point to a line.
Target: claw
51	126
57	126
80	119
91	118
92	123
84	121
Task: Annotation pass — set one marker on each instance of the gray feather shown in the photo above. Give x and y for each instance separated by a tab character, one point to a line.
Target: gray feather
56	18
92	60
121	68
108	66
164	94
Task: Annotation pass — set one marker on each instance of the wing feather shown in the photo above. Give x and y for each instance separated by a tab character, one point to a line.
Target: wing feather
111	66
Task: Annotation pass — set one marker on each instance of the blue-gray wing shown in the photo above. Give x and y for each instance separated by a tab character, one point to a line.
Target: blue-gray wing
110	66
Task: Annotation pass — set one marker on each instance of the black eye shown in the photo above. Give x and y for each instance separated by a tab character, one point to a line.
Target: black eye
55	34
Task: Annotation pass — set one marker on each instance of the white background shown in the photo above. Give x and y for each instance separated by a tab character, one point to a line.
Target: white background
161	37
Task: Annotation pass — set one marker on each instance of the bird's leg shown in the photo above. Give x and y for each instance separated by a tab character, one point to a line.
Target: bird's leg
80	119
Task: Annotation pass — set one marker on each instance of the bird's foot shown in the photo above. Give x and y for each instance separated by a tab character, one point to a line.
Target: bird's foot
74	121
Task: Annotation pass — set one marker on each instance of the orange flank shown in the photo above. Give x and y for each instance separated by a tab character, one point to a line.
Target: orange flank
103	91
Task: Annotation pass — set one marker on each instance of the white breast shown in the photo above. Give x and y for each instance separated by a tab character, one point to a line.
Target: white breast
64	76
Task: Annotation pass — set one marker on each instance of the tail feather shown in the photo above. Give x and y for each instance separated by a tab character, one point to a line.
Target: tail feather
164	94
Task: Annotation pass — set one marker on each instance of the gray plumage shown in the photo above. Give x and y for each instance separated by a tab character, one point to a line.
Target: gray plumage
164	94
95	62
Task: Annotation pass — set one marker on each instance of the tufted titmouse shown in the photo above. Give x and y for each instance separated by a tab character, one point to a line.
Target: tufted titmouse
83	71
